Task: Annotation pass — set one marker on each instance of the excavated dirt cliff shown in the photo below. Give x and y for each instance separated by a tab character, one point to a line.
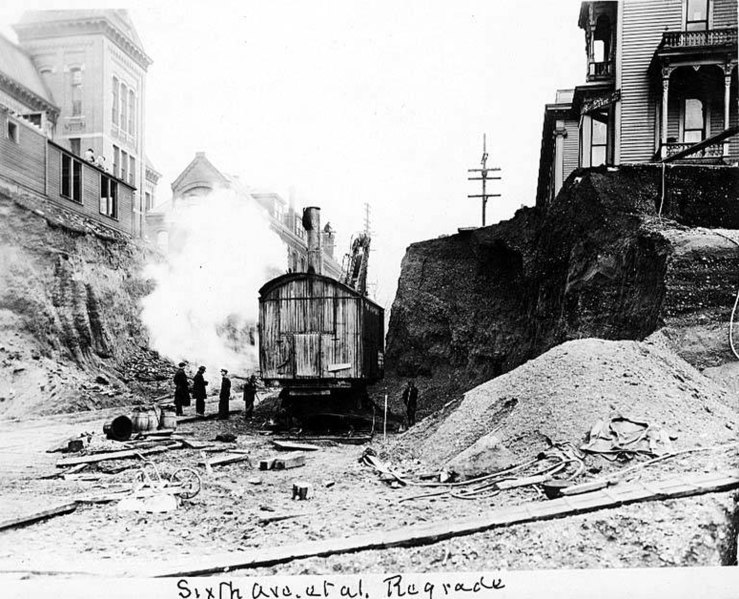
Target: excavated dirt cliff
618	255
70	333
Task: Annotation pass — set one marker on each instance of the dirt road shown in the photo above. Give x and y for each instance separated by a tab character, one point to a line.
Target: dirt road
238	507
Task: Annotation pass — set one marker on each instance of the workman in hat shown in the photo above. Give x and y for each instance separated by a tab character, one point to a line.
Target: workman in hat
199	392
181	390
224	396
410	399
250	393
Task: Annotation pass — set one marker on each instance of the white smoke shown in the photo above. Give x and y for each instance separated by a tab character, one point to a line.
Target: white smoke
222	250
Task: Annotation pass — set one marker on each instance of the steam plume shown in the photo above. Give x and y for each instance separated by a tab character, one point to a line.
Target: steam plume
222	251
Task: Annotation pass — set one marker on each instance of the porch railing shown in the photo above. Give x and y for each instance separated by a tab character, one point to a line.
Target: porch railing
690	39
713	151
600	70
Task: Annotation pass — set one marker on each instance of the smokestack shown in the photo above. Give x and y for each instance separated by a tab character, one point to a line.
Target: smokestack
312	224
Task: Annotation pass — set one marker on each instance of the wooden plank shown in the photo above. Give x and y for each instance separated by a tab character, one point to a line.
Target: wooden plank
65	508
353	440
293	446
290	460
231	458
437	531
115	455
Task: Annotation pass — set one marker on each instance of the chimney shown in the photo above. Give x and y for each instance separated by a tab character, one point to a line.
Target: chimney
312	224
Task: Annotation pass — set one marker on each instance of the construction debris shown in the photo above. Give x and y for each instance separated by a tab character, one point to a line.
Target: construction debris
292	446
433	532
291	460
116	455
65	508
230	458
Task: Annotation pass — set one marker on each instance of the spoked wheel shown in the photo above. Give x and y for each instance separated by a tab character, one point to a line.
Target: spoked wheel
189	481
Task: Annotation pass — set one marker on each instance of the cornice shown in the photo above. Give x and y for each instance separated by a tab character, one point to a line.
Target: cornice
25	95
33	31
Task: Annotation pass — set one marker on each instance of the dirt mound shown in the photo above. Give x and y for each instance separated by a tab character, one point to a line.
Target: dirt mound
562	393
598	262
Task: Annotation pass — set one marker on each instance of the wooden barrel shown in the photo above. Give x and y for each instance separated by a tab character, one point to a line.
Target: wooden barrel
169	418
144	420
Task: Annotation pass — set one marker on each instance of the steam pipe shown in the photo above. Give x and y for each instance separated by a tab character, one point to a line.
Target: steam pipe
312	225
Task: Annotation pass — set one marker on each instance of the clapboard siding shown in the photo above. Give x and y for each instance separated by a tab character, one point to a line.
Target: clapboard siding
310	325
23	162
724	13
90	205
571	150
644	21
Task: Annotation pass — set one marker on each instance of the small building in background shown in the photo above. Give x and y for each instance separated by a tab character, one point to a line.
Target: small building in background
201	177
660	84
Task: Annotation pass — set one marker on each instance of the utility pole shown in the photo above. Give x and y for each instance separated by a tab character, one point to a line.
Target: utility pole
484	177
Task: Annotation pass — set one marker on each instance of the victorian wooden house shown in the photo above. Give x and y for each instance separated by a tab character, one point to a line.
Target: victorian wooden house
661	85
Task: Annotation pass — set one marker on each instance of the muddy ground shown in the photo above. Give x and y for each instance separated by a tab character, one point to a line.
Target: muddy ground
231	513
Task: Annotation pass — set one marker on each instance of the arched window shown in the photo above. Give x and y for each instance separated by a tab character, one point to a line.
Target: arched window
124	106
116	107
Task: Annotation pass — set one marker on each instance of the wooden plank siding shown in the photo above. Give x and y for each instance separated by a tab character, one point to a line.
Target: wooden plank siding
644	22
23	162
90	205
311	326
724	14
571	151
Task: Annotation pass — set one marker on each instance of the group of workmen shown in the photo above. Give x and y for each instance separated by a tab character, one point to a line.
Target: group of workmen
198	390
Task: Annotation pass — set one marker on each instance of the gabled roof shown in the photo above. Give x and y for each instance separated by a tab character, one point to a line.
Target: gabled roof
199	173
18	66
43	23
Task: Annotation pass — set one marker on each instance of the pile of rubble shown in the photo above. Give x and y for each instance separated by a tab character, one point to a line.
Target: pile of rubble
560	396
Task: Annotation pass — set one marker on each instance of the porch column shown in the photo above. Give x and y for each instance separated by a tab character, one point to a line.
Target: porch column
727	107
559	164
666	72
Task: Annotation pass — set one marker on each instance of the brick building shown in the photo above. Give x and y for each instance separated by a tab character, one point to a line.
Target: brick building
76	81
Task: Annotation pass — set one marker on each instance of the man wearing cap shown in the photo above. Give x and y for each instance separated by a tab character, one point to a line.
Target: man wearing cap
224	396
181	391
199	392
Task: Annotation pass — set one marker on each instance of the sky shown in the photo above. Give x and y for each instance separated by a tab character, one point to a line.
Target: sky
352	102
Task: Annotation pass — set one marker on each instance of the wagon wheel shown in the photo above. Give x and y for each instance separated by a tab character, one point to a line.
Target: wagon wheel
189	481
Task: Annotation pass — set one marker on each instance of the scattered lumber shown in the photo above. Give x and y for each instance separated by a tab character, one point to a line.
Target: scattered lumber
65	508
212	416
353	440
114	455
230	458
279	517
293	446
268	464
106	498
425	534
64	473
291	460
